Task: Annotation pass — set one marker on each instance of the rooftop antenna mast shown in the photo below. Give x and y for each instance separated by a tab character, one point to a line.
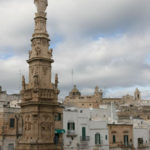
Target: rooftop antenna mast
72	77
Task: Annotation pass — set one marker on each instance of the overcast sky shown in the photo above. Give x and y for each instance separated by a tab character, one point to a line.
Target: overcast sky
105	42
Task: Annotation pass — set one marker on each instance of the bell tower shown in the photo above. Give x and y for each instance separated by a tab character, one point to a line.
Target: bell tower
40	110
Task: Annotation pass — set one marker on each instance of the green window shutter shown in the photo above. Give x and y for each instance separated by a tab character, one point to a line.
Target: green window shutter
59	116
99	139
68	125
73	126
95	139
105	137
83	133
12	123
114	139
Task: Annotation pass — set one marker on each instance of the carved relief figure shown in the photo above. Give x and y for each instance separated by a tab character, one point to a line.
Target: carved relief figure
36	82
27	126
27	123
38	50
41	5
32	69
44	42
33	43
45	70
50	52
38	42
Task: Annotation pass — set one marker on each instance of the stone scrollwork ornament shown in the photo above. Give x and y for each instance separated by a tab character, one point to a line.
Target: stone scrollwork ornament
41	5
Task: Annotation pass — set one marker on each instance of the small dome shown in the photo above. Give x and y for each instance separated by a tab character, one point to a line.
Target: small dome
74	92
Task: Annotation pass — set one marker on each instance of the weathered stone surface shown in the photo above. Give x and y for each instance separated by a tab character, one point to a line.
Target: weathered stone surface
39	104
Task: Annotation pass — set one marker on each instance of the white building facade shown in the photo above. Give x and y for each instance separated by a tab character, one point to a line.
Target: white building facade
87	128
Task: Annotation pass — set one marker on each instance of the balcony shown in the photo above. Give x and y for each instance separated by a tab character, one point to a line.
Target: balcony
71	133
98	144
128	146
143	146
84	142
121	145
84	138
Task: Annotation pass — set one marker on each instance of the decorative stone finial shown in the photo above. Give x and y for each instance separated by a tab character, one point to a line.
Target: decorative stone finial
41	5
56	80
23	83
137	94
96	89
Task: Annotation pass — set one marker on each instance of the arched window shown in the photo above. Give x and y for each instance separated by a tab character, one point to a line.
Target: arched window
97	138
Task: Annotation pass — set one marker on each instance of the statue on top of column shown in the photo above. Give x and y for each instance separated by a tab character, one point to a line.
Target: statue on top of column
41	5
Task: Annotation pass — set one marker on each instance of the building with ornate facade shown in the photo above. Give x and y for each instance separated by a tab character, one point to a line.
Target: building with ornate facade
120	136
77	100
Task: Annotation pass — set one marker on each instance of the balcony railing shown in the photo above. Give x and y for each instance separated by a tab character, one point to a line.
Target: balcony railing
84	145
71	133
84	138
141	146
126	145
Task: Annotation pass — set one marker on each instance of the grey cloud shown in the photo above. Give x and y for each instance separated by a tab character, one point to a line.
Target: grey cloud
115	60
109	63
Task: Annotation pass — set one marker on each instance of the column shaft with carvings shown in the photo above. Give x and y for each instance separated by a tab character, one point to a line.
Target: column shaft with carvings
39	106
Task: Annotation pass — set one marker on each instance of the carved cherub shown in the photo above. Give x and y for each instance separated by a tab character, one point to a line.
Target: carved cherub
41	5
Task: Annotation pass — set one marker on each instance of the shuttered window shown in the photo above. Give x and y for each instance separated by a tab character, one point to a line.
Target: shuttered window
71	126
12	123
58	117
114	139
97	138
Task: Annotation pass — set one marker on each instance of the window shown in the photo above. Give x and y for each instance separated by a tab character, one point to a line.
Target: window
97	138
12	123
56	138
10	146
58	117
140	141
114	138
81	111
105	137
83	133
126	140
71	126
